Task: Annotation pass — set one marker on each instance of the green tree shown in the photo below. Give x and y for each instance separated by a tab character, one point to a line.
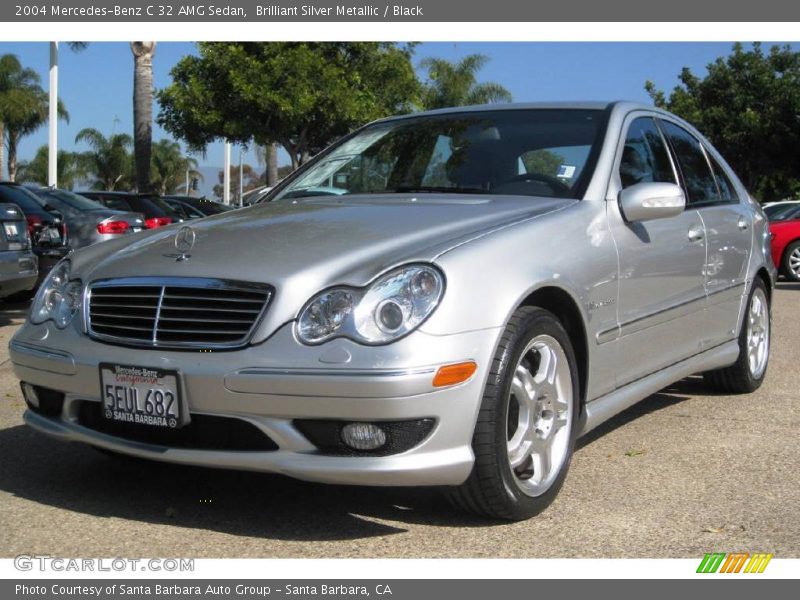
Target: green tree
109	162
70	168
456	84
748	105
169	167
542	161
250	178
23	106
302	95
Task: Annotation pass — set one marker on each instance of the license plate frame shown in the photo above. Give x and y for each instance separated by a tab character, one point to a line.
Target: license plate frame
128	390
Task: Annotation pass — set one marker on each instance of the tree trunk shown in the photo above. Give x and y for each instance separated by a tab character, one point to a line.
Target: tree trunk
143	111
272	164
12	157
2	149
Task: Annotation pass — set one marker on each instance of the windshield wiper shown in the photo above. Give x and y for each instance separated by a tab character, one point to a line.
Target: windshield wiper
432	189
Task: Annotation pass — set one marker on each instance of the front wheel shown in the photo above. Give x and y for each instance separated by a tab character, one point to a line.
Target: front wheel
748	372
525	433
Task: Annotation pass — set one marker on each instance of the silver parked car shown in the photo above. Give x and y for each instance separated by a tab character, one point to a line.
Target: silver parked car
18	264
88	221
445	299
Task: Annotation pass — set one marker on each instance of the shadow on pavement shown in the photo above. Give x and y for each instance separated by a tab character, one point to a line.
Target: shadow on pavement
76	478
674	394
11	312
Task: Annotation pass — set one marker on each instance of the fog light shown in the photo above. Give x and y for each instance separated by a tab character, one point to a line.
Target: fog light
30	395
363	436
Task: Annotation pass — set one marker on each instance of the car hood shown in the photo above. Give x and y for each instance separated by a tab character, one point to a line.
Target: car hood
304	246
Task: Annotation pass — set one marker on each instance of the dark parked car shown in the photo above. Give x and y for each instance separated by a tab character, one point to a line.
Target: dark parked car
89	221
157	213
194	208
46	228
17	262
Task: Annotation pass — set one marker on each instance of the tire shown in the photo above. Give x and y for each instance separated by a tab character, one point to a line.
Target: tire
747	373
790	262
540	410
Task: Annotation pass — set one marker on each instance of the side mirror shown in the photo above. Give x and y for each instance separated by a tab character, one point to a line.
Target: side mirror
648	201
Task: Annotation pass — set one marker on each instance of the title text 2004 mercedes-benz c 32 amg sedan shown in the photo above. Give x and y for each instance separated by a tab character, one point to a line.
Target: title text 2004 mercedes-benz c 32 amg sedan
448	298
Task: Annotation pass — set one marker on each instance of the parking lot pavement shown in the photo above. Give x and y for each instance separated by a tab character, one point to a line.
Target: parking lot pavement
680	474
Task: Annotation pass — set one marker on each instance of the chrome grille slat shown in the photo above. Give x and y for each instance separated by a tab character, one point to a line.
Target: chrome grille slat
244	310
162	318
95	315
175	312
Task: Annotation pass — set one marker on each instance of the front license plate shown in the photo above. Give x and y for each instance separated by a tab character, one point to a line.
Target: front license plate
141	395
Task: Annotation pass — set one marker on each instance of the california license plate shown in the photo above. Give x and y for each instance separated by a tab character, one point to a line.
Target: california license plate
141	395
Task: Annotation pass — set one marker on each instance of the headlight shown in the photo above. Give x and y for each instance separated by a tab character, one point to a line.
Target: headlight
58	299
392	306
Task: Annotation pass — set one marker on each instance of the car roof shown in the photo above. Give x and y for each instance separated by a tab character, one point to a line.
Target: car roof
623	106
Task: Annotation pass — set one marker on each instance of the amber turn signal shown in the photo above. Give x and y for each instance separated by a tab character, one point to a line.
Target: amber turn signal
453	374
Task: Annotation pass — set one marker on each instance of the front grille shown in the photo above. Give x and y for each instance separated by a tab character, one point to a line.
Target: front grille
203	432
175	313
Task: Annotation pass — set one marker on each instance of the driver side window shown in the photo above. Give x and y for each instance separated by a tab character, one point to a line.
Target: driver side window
645	157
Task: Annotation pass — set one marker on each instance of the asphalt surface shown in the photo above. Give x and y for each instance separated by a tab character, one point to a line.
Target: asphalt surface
682	473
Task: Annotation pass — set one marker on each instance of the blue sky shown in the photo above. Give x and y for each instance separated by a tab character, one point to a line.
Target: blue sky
96	85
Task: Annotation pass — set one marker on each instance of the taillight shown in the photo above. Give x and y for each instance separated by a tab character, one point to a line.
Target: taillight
154	222
34	223
112	227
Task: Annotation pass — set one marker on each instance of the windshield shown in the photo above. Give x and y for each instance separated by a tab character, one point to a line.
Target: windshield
516	152
72	200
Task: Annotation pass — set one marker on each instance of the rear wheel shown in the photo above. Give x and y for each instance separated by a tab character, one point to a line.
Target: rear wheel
749	370
525	433
790	266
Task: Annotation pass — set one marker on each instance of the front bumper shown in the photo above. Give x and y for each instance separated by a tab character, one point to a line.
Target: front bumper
272	384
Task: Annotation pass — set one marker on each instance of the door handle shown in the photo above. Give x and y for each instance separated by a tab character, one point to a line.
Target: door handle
743	224
695	233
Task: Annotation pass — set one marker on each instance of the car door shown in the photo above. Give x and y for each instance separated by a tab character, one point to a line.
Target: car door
661	284
729	232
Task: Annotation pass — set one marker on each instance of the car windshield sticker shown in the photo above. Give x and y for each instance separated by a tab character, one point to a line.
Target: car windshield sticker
566	171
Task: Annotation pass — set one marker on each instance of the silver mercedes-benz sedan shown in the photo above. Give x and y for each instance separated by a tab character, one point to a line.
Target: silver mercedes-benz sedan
444	299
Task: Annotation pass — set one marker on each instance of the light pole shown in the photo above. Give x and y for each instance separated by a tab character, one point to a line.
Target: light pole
226	178
52	149
241	183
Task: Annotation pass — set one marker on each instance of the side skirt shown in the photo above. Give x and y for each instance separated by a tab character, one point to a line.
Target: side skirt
603	408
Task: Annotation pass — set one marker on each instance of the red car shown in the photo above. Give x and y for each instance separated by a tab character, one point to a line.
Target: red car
786	245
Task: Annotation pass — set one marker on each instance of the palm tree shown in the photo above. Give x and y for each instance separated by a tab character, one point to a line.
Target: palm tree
12	75
143	110
170	167
70	168
455	84
109	161
23	106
